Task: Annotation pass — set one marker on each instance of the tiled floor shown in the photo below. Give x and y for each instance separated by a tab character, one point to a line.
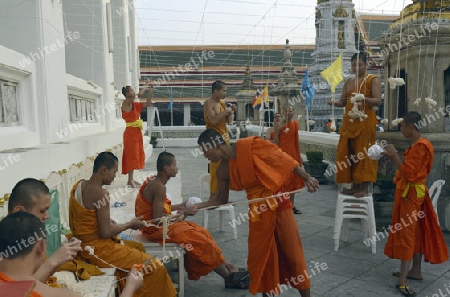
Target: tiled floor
351	271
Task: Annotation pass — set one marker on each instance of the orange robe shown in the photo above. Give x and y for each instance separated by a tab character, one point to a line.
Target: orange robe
288	142
202	253
275	253
415	234
5	278
356	138
84	225
222	129
133	157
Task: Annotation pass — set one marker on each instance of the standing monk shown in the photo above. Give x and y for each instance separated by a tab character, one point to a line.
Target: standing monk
204	256
216	117
286	136
419	233
33	196
90	221
357	136
133	157
270	133
275	254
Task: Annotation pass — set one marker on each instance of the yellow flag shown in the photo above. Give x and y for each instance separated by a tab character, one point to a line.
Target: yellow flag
333	74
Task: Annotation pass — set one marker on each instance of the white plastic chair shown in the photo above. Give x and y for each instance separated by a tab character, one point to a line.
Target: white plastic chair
230	208
436	186
349	207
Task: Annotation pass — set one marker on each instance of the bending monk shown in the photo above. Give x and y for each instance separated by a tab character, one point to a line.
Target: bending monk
286	136
33	196
133	157
413	211
216	117
204	256
357	136
89	219
275	254
22	248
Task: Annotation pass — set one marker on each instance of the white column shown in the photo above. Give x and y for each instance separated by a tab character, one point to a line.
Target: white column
187	113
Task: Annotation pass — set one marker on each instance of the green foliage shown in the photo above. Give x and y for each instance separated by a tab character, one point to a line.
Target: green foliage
153	138
314	157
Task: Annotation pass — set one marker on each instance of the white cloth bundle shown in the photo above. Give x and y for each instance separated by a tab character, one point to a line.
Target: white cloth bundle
375	152
395	81
192	201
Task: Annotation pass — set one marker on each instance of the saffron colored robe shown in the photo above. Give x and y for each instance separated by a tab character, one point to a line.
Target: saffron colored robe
133	157
84	225
202	253
275	252
222	129
5	278
288	142
415	234
356	138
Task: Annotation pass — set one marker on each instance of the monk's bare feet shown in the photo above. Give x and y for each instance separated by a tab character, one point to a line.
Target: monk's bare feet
349	191
360	194
134	184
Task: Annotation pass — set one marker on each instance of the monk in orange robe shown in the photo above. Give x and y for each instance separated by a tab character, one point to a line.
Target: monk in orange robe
33	196
357	136
270	133
416	231
275	255
21	258
286	136
89	219
133	157
216	117
202	253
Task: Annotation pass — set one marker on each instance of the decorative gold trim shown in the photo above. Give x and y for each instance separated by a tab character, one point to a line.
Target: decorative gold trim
61	172
92	158
79	164
340	12
6	197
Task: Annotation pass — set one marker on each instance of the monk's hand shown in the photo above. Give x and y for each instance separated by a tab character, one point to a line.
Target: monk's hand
66	252
312	184
191	210
134	280
228	111
390	151
136	223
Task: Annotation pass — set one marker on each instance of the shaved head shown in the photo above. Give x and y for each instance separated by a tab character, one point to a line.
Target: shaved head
24	192
164	159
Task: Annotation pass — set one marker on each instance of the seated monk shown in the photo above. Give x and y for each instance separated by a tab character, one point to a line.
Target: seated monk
89	219
22	248
275	253
33	196
205	256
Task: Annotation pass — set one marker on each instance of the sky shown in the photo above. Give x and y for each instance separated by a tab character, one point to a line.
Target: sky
235	22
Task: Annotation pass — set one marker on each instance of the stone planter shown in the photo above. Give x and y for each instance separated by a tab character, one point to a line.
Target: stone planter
383	214
154	143
317	171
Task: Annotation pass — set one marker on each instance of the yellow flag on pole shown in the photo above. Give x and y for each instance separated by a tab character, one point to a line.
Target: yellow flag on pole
333	74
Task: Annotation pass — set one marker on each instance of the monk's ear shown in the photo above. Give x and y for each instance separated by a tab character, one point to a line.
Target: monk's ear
41	248
19	208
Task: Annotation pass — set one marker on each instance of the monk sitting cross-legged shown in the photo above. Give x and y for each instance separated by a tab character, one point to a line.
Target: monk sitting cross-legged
204	255
275	254
89	218
419	232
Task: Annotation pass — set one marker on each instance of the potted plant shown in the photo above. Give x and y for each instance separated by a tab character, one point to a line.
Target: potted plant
383	199
153	141
315	166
